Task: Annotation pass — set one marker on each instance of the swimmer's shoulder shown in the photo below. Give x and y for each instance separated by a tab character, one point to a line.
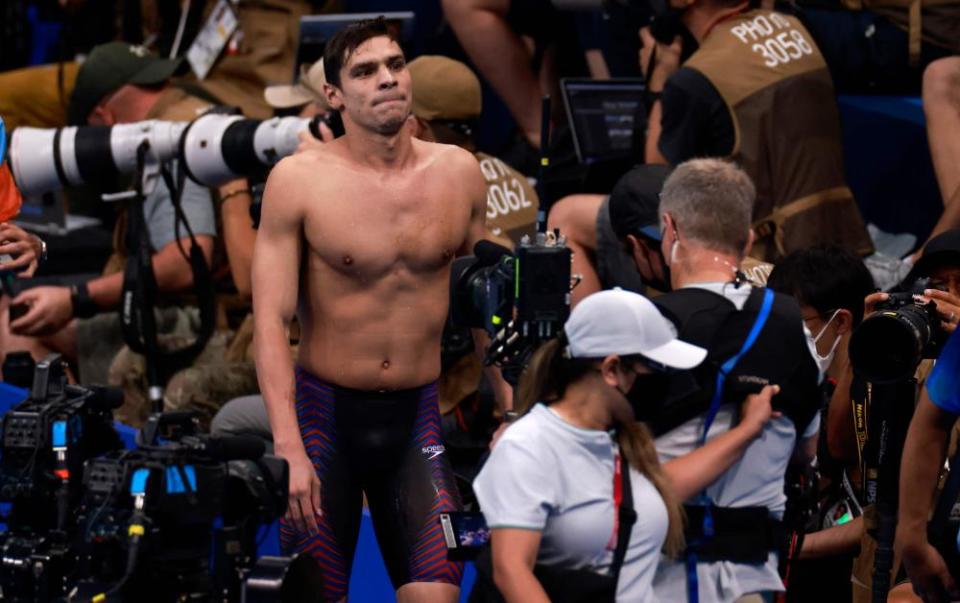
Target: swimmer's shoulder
297	181
313	167
447	157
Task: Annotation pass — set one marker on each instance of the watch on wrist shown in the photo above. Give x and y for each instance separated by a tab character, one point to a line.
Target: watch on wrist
83	304
43	250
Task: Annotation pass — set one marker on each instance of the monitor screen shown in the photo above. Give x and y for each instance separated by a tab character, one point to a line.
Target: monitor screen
607	118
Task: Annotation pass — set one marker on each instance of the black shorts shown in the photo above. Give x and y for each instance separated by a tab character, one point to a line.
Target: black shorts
388	446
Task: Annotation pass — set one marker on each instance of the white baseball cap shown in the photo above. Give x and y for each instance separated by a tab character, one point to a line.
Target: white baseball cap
309	88
625	323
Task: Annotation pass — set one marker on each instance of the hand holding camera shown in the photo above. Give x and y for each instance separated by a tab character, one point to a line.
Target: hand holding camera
23	249
658	60
309	140
901	329
948	307
47	310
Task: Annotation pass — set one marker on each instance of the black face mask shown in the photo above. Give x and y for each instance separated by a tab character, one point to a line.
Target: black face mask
665	285
653	249
648	391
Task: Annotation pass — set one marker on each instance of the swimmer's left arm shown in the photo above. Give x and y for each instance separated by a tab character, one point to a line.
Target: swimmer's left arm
476	187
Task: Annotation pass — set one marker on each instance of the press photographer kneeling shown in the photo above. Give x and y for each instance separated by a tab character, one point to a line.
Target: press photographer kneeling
567	522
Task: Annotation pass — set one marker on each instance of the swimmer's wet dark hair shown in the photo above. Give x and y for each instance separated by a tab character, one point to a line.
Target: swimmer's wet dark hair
345	41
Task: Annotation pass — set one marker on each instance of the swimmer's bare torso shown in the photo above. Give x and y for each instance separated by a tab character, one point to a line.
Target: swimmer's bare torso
377	249
356	238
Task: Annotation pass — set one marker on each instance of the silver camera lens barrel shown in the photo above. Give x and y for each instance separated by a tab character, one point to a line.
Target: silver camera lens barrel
163	136
66	156
278	137
32	159
202	149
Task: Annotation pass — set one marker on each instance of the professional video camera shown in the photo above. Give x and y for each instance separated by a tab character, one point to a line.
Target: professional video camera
46	440
214	148
889	344
178	517
520	299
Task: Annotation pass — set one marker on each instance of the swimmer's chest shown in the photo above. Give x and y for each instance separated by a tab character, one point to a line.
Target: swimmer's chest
381	226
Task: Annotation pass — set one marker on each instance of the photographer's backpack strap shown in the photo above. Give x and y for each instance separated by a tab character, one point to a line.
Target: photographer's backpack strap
693	594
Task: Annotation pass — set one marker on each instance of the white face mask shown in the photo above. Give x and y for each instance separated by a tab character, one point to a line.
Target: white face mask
824	362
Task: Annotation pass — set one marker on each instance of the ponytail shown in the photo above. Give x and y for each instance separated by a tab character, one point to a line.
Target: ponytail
636	446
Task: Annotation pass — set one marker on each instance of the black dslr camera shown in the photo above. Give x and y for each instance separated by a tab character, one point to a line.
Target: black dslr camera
889	344
46	440
178	517
520	299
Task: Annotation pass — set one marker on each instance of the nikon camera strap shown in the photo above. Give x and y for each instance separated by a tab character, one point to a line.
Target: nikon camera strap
138	302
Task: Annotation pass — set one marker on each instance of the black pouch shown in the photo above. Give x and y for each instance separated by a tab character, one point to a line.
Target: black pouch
741	535
562	585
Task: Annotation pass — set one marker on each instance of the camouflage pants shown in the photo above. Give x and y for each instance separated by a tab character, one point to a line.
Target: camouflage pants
203	387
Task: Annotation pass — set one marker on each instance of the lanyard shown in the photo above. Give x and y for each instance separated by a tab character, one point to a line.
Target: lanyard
617	499
735	12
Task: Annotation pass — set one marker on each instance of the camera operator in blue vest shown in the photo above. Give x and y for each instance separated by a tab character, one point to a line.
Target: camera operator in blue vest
754	337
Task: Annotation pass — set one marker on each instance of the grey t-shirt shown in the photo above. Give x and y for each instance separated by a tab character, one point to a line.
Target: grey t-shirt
756	480
159	214
548	475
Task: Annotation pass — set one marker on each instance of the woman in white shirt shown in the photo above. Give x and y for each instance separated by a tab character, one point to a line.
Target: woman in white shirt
548	488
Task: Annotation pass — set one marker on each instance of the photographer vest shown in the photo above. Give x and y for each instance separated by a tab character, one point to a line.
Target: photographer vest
779	356
511	201
777	88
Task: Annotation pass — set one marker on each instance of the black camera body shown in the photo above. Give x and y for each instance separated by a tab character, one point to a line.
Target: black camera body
482	289
520	299
45	441
889	344
177	517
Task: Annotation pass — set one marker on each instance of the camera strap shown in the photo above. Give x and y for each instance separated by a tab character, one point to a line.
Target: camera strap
626	514
693	593
203	286
138	320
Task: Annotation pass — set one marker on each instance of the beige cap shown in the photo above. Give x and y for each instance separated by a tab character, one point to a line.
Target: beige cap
309	88
444	89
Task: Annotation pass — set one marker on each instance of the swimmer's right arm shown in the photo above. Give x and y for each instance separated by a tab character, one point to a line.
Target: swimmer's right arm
275	275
